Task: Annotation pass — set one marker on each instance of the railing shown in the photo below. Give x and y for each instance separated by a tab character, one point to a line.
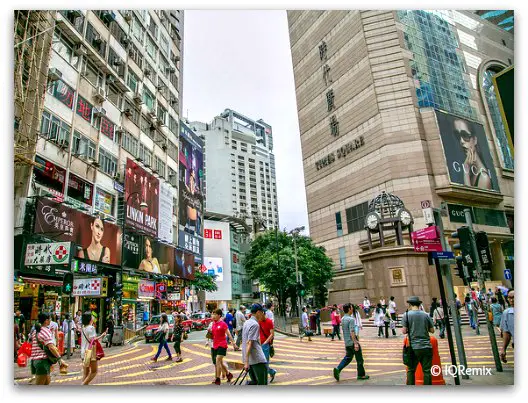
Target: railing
286	324
129	334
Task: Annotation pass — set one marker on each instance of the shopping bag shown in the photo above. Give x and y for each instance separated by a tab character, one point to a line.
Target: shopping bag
25	348
22	360
87	360
99	352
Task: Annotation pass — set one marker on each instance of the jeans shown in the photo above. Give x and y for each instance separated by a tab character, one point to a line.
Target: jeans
336	332
161	346
422	356
109	337
367	312
441	327
347	359
239	338
266	351
258	374
318	323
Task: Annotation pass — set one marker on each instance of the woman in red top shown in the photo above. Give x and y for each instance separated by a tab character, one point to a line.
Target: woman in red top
219	332
336	321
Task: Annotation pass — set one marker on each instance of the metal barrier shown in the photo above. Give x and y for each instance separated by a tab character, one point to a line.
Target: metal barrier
287	324
130	334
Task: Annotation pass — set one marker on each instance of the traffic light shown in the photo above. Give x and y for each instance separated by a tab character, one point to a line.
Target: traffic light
462	271
301	290
484	253
466	259
67	283
118	290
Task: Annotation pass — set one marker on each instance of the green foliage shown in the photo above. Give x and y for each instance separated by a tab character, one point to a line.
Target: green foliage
271	260
203	282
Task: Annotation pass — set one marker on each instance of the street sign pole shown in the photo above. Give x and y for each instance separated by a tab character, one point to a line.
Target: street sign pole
451	298
482	286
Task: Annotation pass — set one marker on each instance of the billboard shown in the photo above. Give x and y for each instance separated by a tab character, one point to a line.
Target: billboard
467	152
141	187
184	267
48	253
146	254
96	239
214	267
191	177
166	205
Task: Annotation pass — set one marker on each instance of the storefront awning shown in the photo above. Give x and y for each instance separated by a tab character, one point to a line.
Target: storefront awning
42	281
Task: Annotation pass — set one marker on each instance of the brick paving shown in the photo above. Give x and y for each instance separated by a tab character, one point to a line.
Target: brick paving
297	363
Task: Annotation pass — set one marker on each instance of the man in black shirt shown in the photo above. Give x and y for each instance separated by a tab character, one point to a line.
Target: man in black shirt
20	320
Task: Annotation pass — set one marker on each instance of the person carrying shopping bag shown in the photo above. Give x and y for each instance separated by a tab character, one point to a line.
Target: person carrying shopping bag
161	336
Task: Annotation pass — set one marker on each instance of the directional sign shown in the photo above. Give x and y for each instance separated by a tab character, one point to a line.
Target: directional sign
443	255
425	203
425	233
428	215
507	274
427	245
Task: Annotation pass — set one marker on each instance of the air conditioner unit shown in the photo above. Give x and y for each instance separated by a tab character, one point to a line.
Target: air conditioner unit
127	16
176	59
118	177
147	72
99	112
128	112
138	98
119	130
126	41
99	94
110	79
80	50
170	70
97	39
118	62
173	100
151	114
73	14
54	74
131	52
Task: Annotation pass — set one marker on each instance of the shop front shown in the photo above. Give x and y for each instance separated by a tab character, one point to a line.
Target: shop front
91	295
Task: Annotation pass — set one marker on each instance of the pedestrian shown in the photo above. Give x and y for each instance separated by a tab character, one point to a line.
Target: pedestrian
439	320
240	320
161	336
500	297
17	340
77	320
417	325
109	331
387	323
305	326
267	333
379	314
393	315
67	323
366	306
177	337
507	325
219	332
318	320
352	346
255	362
336	321
89	335
382	302
209	335
54	328
229	321
468	302
42	336
20	320
357	319
434	304
496	313
489	295
270	307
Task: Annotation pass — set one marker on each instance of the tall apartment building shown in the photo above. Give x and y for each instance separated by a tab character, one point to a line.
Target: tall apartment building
391	101
113	92
240	169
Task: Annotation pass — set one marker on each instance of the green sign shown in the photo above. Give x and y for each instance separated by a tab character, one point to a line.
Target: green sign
505	89
481	216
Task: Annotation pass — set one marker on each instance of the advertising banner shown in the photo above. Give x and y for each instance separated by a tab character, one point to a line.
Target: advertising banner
152	257
214	267
191	183
467	152
87	287
48	253
141	187
184	265
104	202
166	206
96	239
189	242
146	289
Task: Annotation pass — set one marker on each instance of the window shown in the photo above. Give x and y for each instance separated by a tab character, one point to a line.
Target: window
82	146
148	99
129	143
64	48
151	48
172	150
162	115
159	166
173	179
355	217
145	154
137	30
339	225
107	162
145	125
132	113
63	92
173	125
330	100
164	45
135	55
115	62
115	96
94	39
55	129
93	75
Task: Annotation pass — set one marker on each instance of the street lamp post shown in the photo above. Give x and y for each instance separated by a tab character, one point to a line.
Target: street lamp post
142	205
294	232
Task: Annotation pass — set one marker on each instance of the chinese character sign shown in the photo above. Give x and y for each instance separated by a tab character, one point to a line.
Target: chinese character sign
64	93
48	253
86	286
84	109
107	128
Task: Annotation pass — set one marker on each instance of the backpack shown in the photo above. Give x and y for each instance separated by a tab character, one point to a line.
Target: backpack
234	320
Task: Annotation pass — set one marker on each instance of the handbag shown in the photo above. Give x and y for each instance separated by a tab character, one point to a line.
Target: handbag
53	356
271	350
99	352
185	336
160	337
407	349
89	353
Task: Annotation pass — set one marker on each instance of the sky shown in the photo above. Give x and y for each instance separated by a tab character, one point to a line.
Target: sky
240	59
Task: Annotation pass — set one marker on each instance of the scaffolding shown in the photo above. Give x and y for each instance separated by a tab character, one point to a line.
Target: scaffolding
33	34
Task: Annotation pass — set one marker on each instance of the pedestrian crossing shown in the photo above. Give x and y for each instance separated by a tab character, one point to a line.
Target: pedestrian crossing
296	362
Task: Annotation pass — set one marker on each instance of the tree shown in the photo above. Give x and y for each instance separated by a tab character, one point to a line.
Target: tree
203	282
271	260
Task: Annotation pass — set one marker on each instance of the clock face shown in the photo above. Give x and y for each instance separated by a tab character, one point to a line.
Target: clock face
372	221
405	217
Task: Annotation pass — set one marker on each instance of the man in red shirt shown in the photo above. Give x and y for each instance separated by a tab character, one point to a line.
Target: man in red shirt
267	333
219	332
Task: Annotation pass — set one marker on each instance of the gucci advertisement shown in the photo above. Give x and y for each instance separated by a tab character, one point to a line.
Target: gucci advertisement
95	239
467	152
142	196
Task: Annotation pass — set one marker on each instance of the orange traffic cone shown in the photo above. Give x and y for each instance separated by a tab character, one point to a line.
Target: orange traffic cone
419	376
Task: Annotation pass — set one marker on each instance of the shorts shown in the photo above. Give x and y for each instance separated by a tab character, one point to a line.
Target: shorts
218	351
42	367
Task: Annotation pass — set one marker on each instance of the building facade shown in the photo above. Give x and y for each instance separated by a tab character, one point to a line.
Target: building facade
112	106
242	147
397	101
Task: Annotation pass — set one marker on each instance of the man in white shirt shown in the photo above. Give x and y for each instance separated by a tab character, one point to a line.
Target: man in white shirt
305	325
366	306
392	313
240	320
269	311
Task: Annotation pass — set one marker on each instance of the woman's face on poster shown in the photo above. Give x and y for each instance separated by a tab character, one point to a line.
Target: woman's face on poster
97	229
467	139
148	249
